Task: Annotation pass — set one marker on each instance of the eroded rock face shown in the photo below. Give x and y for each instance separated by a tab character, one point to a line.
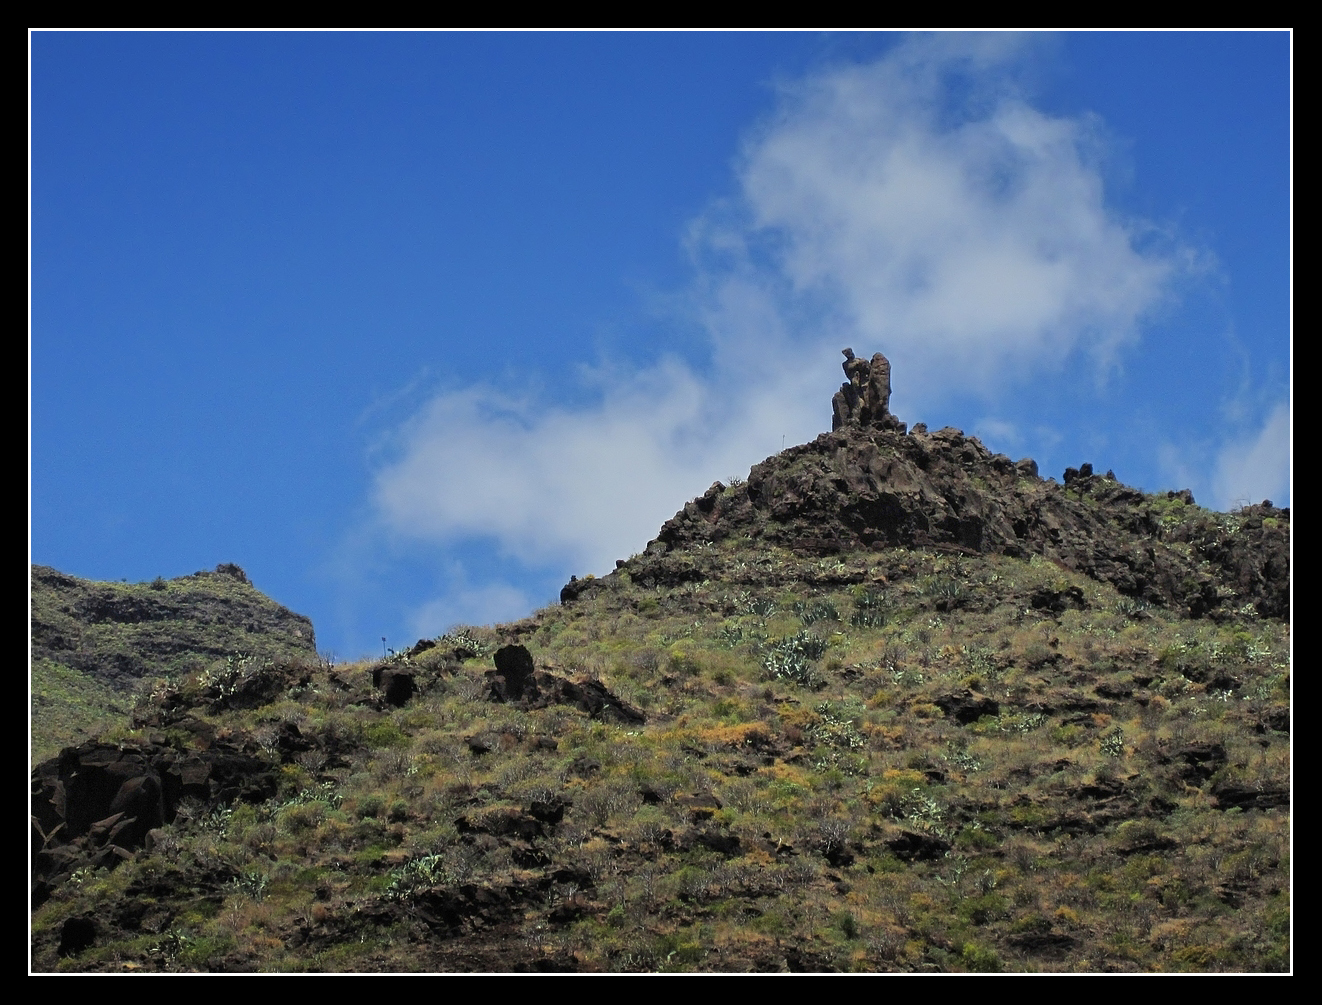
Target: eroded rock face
397	686
966	706
119	633
95	804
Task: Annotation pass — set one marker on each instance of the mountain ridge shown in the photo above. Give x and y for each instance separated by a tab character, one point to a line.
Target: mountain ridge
893	704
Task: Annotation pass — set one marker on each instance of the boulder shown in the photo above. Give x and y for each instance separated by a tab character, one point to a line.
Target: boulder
397	685
97	803
514	676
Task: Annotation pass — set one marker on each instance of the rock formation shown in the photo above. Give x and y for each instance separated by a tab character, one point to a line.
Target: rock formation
870	485
864	398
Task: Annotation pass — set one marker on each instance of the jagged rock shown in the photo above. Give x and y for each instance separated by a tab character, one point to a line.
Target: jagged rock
864	398
421	646
1250	797
1115	690
550	811
290	741
503	822
516	679
574	588
471	906
701	806
1277	719
1200	761
589	695
258	685
96	803
713	839
838	854
1058	601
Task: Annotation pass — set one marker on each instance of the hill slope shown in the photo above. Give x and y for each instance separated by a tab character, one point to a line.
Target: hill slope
93	642
893	704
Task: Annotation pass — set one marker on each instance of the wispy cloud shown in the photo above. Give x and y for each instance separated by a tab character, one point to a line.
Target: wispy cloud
1258	466
967	237
468	605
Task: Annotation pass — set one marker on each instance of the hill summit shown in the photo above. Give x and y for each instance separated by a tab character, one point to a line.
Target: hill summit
94	643
893	703
869	485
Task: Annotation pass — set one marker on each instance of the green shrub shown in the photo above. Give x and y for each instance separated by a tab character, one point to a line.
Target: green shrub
818	610
847	924
979	959
384	733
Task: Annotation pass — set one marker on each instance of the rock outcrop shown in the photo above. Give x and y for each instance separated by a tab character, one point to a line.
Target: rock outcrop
97	803
870	485
865	396
119	633
515	680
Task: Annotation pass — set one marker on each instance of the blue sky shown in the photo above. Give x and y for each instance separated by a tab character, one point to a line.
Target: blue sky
414	326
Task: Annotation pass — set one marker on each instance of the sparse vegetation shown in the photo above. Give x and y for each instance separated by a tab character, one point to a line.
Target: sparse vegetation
881	759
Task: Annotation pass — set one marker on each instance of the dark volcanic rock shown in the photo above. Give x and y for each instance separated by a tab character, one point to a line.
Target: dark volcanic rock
866	487
864	398
76	934
1277	718
1051	945
514	675
966	706
1200	761
591	696
713	839
515	679
1058	601
421	646
397	686
1249	797
914	847
96	803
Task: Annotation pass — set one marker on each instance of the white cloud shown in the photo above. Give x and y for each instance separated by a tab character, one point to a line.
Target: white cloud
966	250
1257	467
482	605
581	488
969	242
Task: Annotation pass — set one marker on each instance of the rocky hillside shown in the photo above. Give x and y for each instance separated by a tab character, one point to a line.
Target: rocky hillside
870	486
893	704
93	643
119	633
